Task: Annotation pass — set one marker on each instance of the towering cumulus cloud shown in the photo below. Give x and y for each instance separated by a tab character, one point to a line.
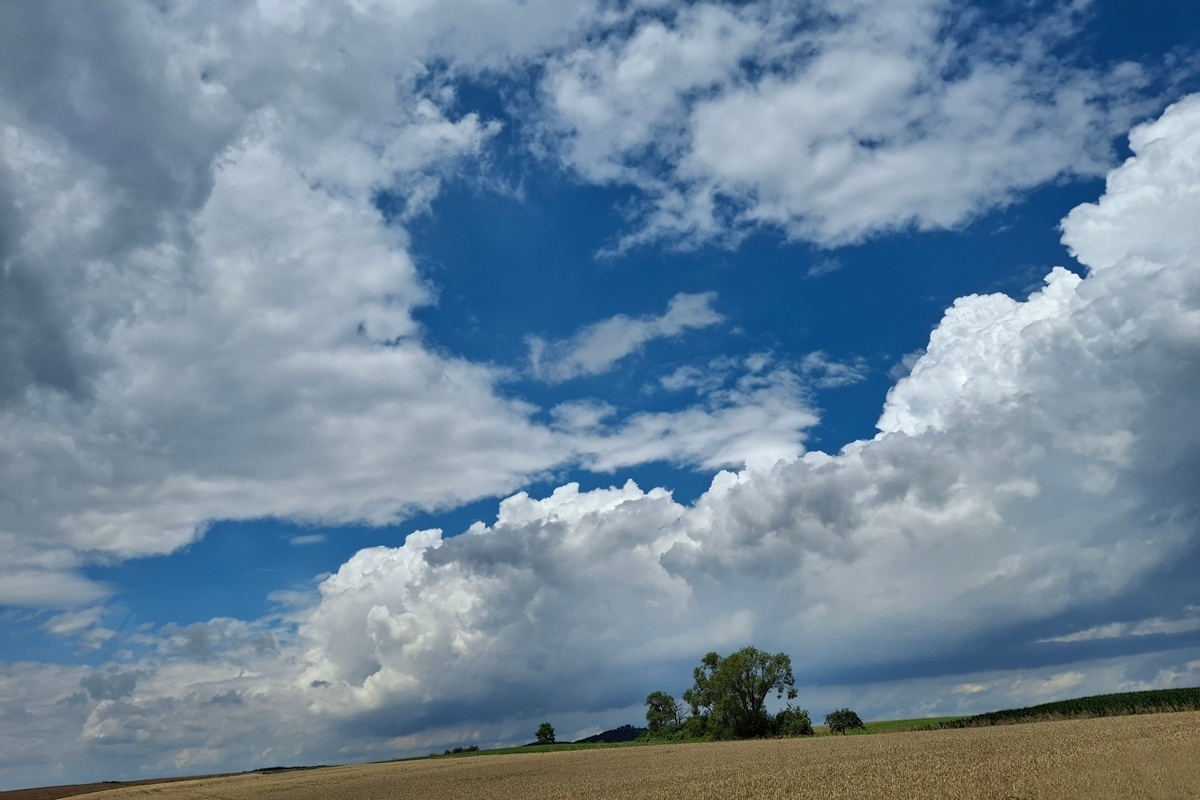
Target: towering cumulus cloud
1044	450
246	281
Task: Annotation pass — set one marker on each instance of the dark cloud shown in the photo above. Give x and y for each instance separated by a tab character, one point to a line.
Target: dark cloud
111	684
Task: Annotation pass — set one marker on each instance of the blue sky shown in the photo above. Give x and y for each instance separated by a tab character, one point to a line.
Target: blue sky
383	378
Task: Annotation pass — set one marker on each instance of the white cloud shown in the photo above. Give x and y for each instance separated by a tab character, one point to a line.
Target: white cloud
212	321
716	373
825	373
825	266
86	625
975	509
1146	627
831	122
597	347
761	418
903	368
214	324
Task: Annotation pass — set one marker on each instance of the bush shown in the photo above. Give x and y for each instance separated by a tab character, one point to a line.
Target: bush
792	721
472	749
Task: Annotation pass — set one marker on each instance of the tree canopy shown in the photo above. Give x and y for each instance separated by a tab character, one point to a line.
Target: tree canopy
843	720
730	693
663	713
545	733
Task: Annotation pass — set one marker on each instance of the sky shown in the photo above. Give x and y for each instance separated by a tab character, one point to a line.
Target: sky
382	377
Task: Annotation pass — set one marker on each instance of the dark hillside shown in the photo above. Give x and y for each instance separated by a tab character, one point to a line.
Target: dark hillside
625	733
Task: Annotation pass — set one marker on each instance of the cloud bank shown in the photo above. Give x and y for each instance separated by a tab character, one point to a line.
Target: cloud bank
206	317
1042	448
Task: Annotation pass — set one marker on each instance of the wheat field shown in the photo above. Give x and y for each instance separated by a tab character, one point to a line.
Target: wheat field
1151	756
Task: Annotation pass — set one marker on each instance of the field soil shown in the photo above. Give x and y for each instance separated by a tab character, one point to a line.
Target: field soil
1152	756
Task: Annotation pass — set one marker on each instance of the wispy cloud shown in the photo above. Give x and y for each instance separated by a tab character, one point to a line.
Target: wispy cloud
1152	626
825	266
598	347
85	626
826	373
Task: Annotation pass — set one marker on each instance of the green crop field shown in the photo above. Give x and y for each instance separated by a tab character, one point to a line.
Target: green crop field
1157	701
896	725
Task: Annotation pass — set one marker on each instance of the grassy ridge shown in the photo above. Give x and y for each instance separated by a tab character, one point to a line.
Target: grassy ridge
541	748
895	726
1156	701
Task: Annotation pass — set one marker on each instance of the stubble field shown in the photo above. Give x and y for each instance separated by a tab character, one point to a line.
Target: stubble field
1151	756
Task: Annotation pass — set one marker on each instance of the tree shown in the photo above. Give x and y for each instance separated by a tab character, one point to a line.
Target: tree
545	733
842	720
731	692
663	713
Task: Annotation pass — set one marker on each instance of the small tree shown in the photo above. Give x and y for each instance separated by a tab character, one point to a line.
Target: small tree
663	713
545	733
843	720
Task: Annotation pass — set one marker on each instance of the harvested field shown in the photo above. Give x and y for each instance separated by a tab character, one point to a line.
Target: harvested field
1153	756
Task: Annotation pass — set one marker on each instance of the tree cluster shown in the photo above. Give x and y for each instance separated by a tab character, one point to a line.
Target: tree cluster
728	700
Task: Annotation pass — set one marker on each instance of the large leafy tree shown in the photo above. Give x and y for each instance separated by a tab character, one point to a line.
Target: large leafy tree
731	692
545	733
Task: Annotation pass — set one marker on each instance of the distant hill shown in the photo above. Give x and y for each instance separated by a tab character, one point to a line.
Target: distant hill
1156	701
625	733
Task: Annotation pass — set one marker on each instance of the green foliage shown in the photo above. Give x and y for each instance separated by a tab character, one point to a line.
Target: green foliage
471	749
664	714
545	733
902	725
792	721
1102	705
843	720
730	692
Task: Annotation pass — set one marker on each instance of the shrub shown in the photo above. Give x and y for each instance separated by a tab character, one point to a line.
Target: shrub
792	721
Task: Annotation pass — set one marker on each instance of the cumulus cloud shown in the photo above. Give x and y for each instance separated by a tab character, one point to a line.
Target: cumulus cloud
198	225
831	122
210	319
1046	460
1040	448
597	347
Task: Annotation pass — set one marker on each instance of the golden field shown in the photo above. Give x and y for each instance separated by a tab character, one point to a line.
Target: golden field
1150	756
